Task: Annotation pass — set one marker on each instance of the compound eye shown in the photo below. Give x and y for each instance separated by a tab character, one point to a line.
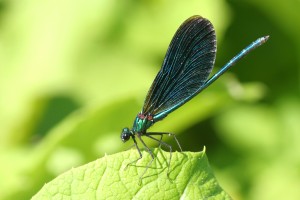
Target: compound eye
125	135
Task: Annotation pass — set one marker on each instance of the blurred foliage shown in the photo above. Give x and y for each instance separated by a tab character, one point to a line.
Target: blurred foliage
73	74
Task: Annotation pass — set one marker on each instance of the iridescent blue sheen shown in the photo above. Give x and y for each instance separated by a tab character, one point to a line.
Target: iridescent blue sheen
184	74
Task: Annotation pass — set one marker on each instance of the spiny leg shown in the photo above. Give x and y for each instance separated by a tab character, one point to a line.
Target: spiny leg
165	133
150	152
162	143
137	147
161	137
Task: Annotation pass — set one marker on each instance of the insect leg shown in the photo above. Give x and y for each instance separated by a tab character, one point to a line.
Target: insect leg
150	152
138	149
165	133
162	143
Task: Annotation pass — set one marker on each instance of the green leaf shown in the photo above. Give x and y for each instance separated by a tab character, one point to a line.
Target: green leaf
190	177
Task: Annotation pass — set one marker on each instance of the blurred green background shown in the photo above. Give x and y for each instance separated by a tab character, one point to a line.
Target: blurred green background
74	73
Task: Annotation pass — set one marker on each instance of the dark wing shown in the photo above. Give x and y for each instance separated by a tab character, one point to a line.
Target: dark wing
187	65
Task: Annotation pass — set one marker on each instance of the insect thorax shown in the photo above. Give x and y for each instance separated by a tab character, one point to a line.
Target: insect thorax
142	122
